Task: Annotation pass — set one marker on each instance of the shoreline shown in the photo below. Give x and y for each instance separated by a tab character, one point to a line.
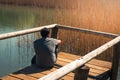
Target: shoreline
61	4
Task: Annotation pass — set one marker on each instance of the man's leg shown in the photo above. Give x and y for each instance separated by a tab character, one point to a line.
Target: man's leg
33	61
56	51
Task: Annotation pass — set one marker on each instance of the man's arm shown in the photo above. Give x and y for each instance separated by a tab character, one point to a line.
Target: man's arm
59	41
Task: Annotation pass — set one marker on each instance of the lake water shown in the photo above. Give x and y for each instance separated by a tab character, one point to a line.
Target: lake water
17	52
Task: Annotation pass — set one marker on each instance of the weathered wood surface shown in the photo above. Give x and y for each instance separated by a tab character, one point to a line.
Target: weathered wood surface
34	72
81	73
110	35
27	31
54	32
23	32
115	62
81	61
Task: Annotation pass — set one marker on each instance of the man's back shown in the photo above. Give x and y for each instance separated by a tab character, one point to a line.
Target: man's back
45	51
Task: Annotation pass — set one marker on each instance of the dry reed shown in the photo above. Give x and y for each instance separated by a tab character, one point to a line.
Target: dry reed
101	15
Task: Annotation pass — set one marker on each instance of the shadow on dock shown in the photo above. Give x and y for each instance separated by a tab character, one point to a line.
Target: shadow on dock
34	69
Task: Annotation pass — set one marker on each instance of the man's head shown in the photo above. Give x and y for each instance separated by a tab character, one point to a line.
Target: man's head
45	32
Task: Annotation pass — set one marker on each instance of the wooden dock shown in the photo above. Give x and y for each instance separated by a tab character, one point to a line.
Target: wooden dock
98	69
70	63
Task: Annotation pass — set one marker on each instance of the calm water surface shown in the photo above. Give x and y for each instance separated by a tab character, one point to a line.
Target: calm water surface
17	52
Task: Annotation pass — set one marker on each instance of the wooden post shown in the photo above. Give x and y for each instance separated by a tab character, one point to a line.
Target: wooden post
115	62
54	32
81	73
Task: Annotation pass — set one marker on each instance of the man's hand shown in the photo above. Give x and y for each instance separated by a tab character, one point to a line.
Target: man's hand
59	41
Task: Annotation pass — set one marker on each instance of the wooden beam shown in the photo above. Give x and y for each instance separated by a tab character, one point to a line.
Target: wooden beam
115	62
79	62
54	32
81	73
110	35
23	32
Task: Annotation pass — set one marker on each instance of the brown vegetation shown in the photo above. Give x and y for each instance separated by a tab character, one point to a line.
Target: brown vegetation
101	15
43	3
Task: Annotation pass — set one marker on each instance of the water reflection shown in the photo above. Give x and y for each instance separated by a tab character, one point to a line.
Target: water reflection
12	20
15	52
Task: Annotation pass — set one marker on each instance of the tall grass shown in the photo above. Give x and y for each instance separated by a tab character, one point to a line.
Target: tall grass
101	15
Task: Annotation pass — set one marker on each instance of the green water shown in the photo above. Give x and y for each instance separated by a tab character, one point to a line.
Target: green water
17	52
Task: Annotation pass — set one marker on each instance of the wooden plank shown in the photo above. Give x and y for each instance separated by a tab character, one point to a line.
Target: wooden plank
70	76
93	73
41	74
97	71
37	75
9	78
92	62
30	69
34	72
90	79
62	63
23	76
48	71
67	77
26	73
93	69
90	73
97	67
99	33
102	65
31	75
68	55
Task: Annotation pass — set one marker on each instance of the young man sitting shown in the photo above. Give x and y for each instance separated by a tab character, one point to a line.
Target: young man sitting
46	49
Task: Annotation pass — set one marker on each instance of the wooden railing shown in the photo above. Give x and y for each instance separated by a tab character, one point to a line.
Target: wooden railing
99	33
55	30
81	61
23	32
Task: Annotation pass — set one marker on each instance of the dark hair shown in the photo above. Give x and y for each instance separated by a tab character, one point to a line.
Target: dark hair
45	32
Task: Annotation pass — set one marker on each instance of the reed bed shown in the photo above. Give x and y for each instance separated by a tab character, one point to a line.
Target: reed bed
101	15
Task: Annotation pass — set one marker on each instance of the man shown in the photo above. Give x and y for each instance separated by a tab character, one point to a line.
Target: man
46	49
